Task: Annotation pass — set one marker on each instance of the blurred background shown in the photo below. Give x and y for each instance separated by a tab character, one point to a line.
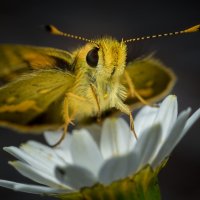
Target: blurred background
22	22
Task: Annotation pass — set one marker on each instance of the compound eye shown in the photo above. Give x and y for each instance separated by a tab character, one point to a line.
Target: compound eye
92	57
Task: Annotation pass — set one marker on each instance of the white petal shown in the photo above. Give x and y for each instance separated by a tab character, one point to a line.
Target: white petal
167	115
147	145
85	152
23	156
125	138
43	154
65	155
172	139
118	168
63	149
37	176
75	176
144	119
116	139
95	132
38	189
33	189
52	137
191	121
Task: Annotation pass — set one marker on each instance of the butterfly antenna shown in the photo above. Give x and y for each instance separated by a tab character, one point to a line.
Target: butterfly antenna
189	30
53	30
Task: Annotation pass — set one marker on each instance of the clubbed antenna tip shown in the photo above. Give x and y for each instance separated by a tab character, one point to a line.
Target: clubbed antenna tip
53	30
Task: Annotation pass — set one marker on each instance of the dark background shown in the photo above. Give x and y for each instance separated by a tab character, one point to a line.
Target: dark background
22	21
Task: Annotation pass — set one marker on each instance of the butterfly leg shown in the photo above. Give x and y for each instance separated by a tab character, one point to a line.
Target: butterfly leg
97	101
67	116
125	109
133	92
132	125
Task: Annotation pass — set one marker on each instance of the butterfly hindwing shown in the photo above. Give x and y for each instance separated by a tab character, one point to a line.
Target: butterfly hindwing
151	79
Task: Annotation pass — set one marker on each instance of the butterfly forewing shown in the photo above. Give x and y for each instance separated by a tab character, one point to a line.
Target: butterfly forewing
19	59
26	98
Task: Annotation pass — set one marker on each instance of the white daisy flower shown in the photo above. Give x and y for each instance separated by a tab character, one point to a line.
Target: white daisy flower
104	156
